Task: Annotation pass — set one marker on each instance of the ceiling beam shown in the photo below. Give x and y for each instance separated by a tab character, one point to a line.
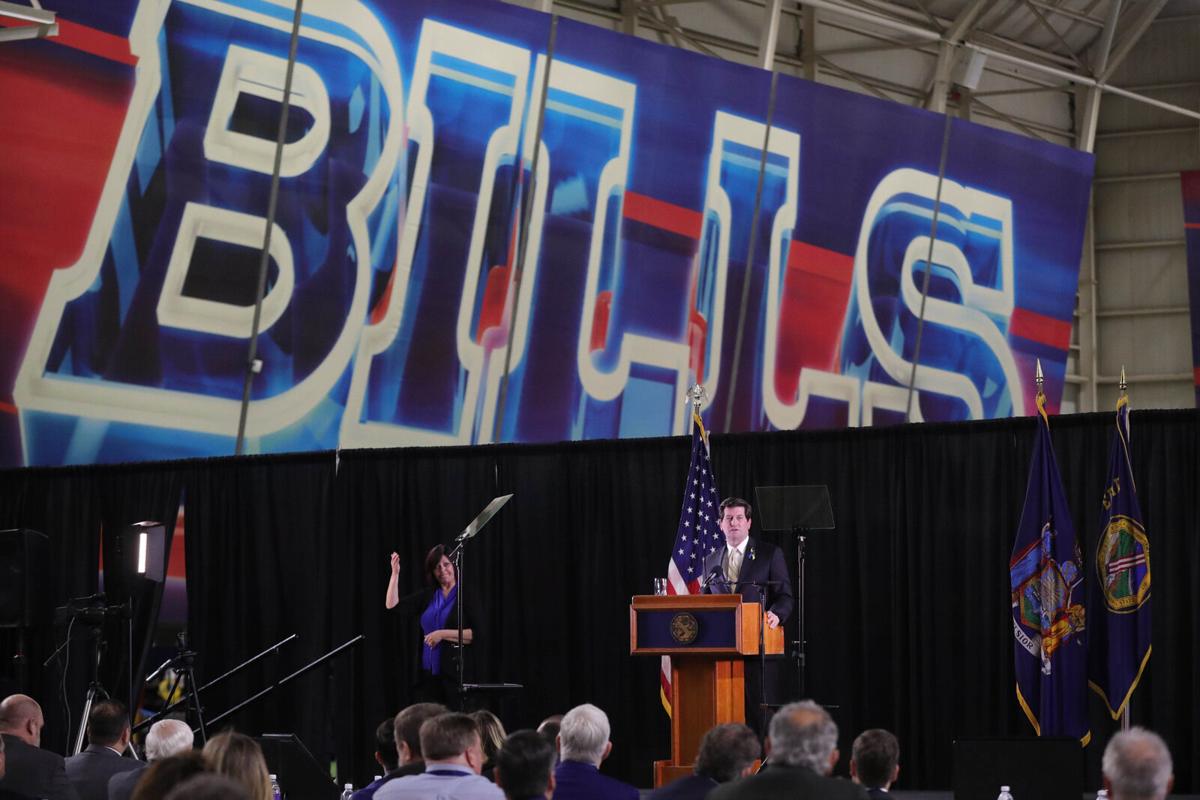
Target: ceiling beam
948	53
1130	38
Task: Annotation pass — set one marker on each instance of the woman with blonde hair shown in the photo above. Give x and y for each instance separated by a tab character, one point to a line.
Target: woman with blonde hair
491	738
239	757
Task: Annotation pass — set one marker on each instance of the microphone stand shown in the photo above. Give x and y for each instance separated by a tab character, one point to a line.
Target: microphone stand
761	586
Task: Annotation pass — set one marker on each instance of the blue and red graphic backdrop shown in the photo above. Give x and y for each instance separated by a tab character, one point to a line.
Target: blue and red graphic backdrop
440	273
1191	220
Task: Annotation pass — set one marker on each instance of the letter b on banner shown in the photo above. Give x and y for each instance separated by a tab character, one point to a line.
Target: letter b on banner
144	340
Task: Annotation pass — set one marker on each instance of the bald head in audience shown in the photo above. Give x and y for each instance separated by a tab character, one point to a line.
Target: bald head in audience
21	716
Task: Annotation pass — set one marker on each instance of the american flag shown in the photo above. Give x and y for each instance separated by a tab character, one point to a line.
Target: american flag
698	533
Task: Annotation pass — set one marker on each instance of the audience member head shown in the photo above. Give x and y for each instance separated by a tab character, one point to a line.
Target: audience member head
237	756
525	765
168	737
875	759
386	754
208	786
727	752
550	726
158	779
407	729
108	725
804	735
491	732
584	735
1137	766
21	716
452	739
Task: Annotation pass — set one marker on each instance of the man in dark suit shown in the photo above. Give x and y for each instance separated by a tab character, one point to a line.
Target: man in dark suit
583	743
802	751
167	737
108	736
756	570
875	762
30	770
727	752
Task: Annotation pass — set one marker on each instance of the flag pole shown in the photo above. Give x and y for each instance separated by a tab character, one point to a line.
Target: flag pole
1124	387
696	396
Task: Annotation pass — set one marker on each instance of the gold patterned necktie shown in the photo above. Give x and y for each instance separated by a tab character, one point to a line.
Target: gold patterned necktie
735	566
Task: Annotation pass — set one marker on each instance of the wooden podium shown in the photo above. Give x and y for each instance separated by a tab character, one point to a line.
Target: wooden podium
707	637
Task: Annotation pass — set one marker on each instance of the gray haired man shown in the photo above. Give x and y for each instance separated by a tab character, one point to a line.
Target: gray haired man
167	737
1137	766
802	752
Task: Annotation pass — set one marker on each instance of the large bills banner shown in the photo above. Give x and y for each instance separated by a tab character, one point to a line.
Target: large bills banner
494	227
1191	220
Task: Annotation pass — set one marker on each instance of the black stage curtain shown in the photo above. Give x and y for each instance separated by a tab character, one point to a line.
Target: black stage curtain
908	615
258	531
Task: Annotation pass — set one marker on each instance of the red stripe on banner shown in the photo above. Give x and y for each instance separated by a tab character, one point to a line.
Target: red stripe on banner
86	40
1040	328
7	408
664	215
815	291
1196	376
1193	225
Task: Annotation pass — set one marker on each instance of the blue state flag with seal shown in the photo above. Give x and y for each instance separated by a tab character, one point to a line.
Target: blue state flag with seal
1119	648
1046	575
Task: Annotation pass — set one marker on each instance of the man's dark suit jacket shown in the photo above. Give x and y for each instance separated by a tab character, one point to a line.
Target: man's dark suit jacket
90	770
878	794
575	780
121	785
693	787
762	561
35	772
796	783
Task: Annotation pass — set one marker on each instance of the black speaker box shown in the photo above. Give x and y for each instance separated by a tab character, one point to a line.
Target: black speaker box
1050	767
24	582
300	776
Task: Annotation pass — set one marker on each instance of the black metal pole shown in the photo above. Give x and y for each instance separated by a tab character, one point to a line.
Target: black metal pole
168	709
801	642
462	655
254	698
252	366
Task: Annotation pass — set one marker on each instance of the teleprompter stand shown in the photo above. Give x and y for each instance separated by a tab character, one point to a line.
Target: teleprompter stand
458	557
800	510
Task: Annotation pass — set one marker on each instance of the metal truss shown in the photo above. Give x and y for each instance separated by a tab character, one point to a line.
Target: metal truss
39	23
1041	45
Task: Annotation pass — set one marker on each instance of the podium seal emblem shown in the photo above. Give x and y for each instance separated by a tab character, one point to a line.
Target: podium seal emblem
684	628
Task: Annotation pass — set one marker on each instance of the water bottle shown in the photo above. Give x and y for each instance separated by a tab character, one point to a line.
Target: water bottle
1004	794
276	792
348	792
